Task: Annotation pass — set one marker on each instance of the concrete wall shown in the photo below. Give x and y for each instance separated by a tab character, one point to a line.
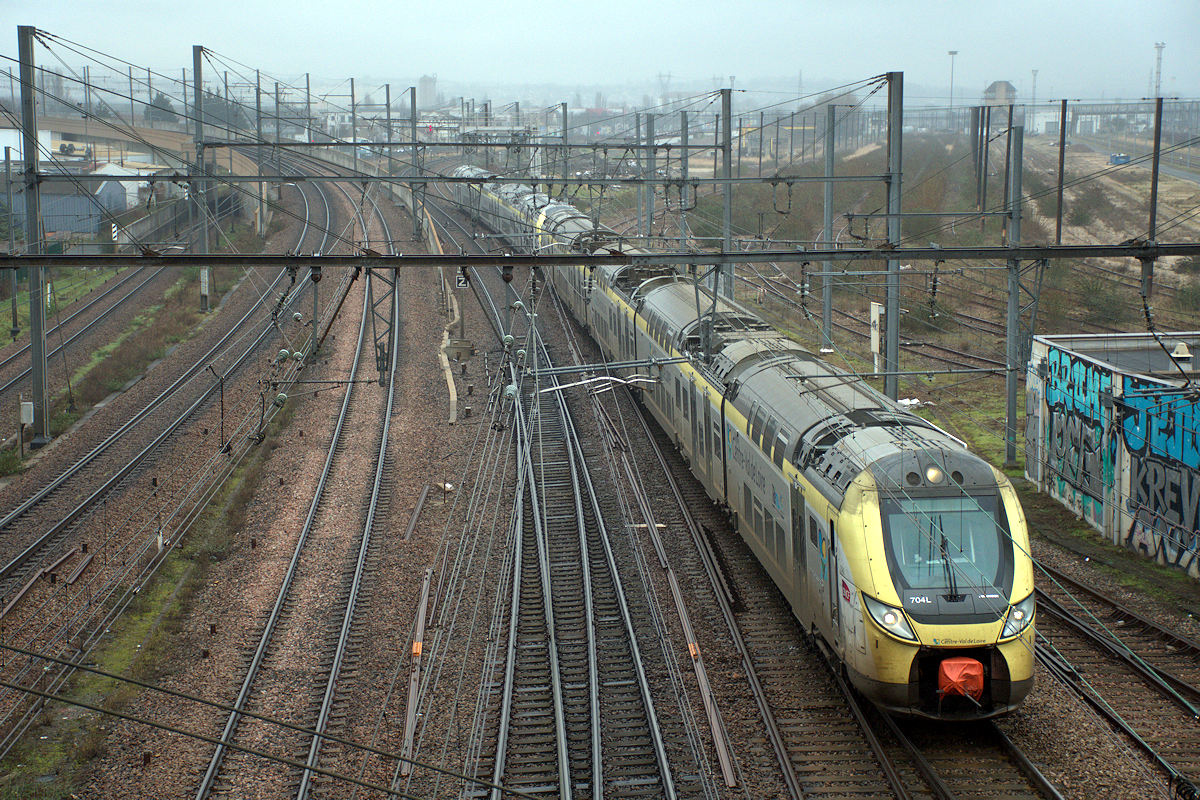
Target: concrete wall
1119	450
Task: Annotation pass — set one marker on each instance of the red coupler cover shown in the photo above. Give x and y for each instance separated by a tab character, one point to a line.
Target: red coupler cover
961	675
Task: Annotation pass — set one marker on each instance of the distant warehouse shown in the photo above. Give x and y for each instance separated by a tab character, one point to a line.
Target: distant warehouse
1111	432
69	208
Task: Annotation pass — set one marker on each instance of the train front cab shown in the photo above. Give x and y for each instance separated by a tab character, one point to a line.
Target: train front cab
906	659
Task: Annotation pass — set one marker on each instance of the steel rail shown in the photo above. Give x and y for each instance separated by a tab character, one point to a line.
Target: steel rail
774	736
1068	675
12	735
1122	653
208	780
302	793
24	349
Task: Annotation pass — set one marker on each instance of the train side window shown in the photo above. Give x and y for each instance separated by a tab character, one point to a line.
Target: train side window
812	529
758	522
755	421
746	503
780	542
678	400
781	442
768	436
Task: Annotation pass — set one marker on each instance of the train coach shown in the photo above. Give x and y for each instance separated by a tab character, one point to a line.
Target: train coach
901	552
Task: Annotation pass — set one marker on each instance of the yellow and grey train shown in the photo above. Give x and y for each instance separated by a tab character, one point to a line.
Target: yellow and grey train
903	553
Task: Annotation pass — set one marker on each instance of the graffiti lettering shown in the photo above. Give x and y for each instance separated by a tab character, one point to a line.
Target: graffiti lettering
1160	423
1075	450
1074	385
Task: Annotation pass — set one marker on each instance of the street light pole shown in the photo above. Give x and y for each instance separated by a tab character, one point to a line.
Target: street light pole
952	54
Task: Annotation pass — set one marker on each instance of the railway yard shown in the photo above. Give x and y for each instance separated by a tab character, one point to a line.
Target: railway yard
423	531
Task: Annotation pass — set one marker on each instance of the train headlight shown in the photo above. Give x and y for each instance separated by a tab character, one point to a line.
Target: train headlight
890	618
1019	617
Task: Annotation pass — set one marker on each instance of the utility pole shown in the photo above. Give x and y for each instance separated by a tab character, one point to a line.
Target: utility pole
414	192
952	54
641	171
683	174
202	195
353	125
1158	47
278	136
1032	121
652	169
307	109
1013	323
566	155
762	117
1062	158
33	240
12	238
258	137
387	114
827	234
894	166
724	278
132	115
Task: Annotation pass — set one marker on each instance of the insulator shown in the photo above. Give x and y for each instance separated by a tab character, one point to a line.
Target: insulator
284	355
506	274
297	316
280	399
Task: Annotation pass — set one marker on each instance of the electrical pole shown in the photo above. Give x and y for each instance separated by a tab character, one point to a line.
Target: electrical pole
387	113
1013	323
566	154
12	239
353	125
724	280
827	234
952	54
1062	158
33	240
894	167
202	194
1158	46
258	137
307	109
416	165
652	169
1032	121
683	174
641	171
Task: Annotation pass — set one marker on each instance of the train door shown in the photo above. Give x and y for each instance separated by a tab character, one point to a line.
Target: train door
821	574
834	589
698	430
799	576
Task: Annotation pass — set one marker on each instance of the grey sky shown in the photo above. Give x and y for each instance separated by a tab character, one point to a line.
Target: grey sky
1082	49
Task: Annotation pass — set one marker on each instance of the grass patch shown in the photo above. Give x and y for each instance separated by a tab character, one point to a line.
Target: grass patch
69	284
52	760
145	340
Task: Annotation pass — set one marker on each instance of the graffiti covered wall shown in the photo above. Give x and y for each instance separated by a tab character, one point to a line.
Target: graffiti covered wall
1162	501
1122	451
1078	455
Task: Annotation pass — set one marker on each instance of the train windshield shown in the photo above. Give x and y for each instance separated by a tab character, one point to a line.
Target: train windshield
950	545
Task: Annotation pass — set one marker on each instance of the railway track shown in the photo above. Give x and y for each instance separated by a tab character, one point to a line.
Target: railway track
1143	679
317	590
574	707
111	556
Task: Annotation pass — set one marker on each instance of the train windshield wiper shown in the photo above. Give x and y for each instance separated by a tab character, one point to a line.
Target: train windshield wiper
947	567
